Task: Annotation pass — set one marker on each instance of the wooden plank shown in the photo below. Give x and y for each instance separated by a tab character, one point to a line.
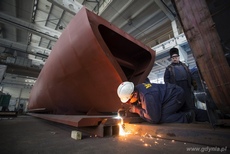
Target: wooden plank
205	43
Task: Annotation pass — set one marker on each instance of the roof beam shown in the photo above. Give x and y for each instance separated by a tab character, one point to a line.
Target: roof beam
122	9
137	13
49	14
25	48
35	29
70	6
164	9
136	26
14	12
104	6
156	26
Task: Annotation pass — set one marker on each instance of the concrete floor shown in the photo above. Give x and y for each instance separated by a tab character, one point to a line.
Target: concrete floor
30	135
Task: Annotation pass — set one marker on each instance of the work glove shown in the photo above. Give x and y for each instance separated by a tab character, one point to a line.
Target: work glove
132	109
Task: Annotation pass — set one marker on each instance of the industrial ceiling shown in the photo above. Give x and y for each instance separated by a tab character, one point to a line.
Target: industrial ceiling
30	28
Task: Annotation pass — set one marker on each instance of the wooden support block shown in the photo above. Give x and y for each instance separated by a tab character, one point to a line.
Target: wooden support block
76	135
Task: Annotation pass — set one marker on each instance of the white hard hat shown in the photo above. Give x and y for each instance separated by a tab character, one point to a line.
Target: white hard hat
124	91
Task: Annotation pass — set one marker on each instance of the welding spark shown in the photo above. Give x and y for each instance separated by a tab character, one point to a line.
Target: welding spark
147	145
158	135
121	125
121	130
117	117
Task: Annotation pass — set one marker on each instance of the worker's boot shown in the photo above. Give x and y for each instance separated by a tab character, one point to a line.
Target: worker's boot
190	115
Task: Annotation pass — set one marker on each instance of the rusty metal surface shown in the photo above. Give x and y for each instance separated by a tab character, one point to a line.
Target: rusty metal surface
72	120
103	125
100	126
88	62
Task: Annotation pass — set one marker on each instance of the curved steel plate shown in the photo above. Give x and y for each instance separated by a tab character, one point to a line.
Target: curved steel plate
90	59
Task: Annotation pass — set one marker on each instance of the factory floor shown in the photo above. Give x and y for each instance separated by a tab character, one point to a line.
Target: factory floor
29	135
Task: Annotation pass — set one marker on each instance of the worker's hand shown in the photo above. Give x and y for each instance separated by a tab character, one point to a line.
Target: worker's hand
132	109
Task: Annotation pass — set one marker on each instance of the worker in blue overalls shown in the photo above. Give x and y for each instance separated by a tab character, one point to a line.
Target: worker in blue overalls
178	73
156	103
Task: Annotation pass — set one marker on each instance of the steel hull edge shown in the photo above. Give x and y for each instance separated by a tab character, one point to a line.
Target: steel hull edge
86	65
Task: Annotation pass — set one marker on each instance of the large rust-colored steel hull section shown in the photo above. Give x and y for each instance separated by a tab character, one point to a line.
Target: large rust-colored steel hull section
88	62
